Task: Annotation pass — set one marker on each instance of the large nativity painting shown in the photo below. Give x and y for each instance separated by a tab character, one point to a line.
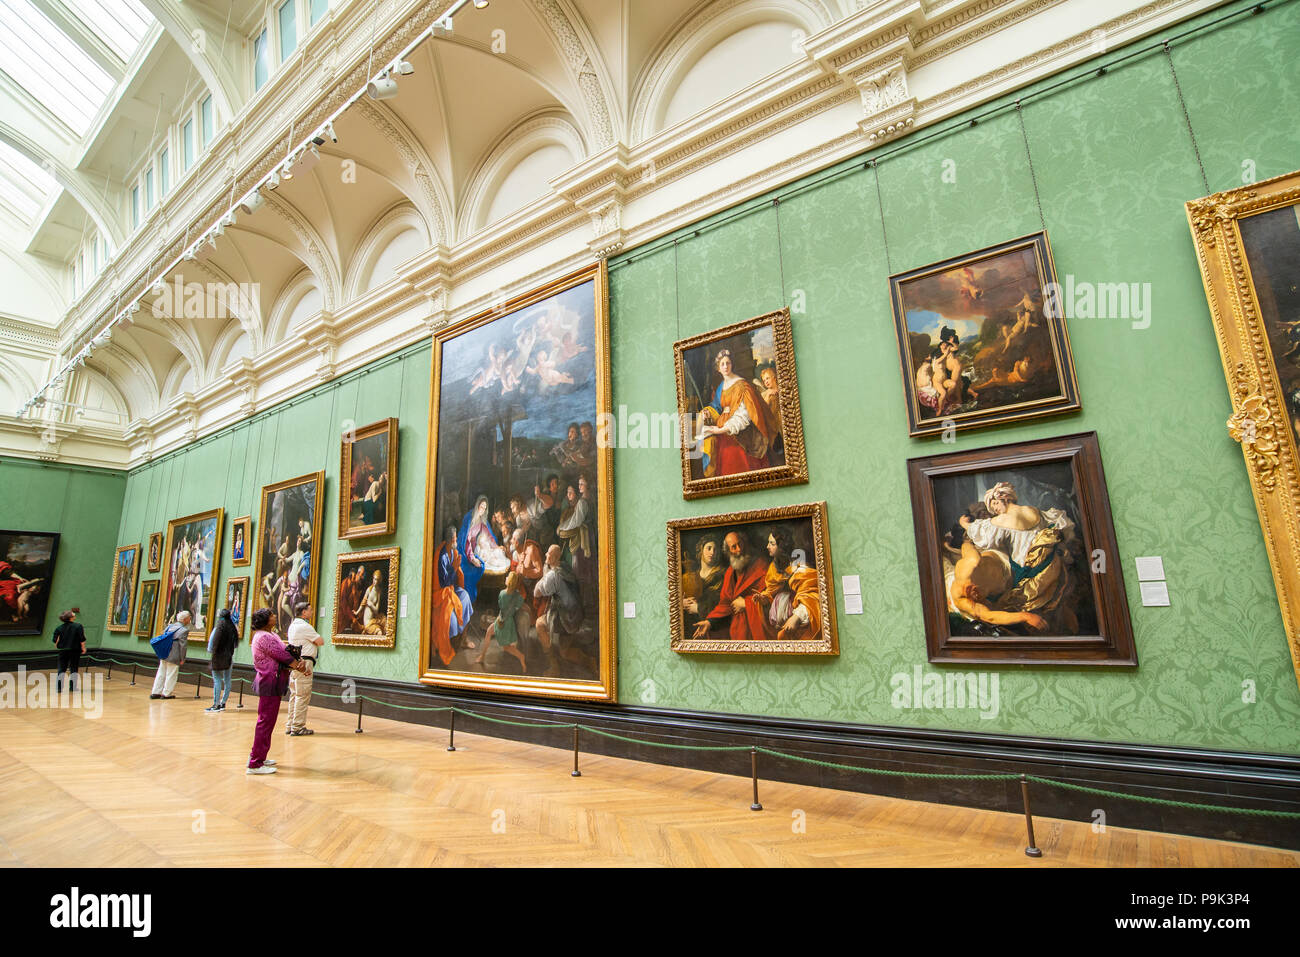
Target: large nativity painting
519	536
982	338
1017	553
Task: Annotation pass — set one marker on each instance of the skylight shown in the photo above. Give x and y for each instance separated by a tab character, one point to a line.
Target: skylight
24	186
46	60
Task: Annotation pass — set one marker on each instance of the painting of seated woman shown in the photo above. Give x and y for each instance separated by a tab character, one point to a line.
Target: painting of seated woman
738	404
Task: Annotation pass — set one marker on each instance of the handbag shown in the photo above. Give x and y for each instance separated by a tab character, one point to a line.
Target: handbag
162	644
276	687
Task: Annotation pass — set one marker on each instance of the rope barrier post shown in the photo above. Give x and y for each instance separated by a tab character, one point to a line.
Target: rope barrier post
241	694
360	705
451	741
133	667
575	773
198	684
1032	850
109	676
753	772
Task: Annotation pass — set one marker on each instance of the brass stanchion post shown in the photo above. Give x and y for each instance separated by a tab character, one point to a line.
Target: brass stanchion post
753	772
133	666
1032	850
360	705
451	741
575	773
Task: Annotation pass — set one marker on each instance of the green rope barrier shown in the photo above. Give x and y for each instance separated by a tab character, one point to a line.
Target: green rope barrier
1147	799
902	774
517	724
664	744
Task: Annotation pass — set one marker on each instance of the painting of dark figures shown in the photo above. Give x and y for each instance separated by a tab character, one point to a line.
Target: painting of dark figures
26	572
515	584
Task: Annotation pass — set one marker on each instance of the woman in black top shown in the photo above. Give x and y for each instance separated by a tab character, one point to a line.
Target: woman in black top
70	639
221	646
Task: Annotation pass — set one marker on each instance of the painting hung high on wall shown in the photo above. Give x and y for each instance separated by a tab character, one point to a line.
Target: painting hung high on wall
121	592
518	581
191	560
1017	552
738	407
368	495
148	608
237	602
241	541
982	338
1248	247
365	598
288	546
752	582
155	551
26	573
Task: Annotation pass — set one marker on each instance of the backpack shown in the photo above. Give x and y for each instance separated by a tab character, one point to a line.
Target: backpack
162	644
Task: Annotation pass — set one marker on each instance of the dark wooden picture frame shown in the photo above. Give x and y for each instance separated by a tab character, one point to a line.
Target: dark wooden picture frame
699	403
385	522
1088	552
1004	326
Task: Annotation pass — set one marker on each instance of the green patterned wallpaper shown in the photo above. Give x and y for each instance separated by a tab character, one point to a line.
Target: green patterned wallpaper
1114	166
83	506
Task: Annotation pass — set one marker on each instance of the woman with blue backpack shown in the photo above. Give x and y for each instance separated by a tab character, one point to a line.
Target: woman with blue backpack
170	649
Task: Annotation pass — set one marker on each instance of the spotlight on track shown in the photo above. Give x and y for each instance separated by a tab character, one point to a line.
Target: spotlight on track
252	202
403	68
158	286
480	4
228	219
273	181
329	131
384	88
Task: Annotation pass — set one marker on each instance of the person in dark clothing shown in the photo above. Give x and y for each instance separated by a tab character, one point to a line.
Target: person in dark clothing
221	646
70	639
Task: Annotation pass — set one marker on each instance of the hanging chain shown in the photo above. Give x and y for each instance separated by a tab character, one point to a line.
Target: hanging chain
1033	177
780	254
1205	180
880	203
677	289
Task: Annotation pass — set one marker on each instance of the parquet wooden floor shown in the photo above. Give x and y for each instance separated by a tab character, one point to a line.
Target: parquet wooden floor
156	783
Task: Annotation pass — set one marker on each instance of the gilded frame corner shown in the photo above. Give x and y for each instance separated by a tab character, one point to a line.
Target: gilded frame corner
389	525
388	639
606	687
827	643
1259	413
795	469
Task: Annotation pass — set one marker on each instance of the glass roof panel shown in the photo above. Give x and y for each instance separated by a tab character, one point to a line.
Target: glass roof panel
121	24
45	62
24	186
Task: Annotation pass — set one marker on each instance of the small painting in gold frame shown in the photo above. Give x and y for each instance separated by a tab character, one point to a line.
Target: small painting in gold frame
241	541
365	598
738	407
755	582
368	481
121	593
155	551
237	602
147	609
1248	247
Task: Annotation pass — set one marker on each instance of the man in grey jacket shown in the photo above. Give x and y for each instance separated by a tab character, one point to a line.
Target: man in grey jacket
169	669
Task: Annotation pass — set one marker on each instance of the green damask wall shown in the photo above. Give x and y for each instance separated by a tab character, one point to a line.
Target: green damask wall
230	468
1114	166
83	506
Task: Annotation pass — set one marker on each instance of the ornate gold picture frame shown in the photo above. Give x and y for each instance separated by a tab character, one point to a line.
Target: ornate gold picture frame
288	542
1248	248
155	551
786	584
241	541
121	593
507	384
368	480
365	598
237	602
191	567
147	609
741	428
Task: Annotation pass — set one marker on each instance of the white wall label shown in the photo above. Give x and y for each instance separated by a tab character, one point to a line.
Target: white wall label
852	585
629	609
852	604
1155	594
1150	569
402	610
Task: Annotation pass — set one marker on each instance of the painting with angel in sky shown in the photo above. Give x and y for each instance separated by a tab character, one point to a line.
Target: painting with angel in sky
980	339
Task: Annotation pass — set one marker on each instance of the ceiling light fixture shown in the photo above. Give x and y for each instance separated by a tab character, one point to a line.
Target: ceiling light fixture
383	87
252	202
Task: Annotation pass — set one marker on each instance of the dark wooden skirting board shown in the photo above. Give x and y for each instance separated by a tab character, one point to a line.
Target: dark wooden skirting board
1225	778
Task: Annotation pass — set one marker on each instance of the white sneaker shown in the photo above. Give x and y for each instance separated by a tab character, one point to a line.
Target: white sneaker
267	768
270	761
